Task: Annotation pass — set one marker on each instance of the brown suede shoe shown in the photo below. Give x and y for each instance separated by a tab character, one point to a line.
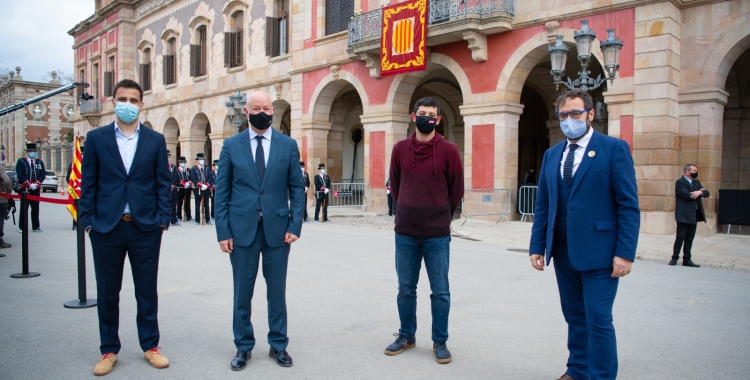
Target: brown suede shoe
155	357
105	365
565	377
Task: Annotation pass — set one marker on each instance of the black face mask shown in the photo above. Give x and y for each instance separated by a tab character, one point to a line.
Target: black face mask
694	175
260	120
426	124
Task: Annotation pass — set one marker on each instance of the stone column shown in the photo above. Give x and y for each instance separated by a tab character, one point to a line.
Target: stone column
382	132
656	123
491	147
701	128
191	145
459	135
555	133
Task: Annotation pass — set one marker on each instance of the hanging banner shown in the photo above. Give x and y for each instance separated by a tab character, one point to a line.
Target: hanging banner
74	184
403	44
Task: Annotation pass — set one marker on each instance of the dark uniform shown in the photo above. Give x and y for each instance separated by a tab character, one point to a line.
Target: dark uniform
199	176
213	173
322	183
391	205
306	181
181	197
32	170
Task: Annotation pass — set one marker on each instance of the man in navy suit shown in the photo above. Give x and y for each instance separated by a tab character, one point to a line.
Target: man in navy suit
259	207
31	169
587	219
125	207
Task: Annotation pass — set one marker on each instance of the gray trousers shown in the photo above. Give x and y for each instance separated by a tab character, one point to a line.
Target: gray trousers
3	211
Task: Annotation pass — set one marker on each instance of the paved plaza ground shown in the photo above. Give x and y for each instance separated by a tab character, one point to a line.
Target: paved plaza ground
505	322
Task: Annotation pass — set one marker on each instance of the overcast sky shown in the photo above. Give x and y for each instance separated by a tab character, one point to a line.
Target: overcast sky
35	35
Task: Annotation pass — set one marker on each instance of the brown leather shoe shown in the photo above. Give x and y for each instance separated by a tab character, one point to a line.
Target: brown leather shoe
565	377
155	357
105	365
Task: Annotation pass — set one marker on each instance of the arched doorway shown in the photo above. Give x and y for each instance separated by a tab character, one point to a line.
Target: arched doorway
171	136
282	117
735	155
199	139
344	115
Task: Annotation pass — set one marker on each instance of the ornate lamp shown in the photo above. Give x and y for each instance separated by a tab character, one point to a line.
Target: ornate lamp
235	106
611	50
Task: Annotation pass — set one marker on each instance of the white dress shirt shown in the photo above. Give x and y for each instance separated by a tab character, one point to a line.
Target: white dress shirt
266	142
578	153
127	146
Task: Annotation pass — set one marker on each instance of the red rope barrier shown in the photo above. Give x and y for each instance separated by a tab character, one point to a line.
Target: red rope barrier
40	199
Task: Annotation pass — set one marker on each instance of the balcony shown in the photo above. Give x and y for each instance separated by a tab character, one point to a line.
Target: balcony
90	107
449	21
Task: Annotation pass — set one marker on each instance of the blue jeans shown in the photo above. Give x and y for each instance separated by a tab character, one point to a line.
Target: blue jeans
436	254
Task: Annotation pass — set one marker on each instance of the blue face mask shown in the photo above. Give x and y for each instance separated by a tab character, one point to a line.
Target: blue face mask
202	162
126	112
32	155
182	165
573	129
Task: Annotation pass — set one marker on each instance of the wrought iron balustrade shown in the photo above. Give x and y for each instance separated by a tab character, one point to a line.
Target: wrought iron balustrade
369	24
91	106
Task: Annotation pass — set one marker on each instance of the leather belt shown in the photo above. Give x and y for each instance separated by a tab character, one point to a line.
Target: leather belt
127	217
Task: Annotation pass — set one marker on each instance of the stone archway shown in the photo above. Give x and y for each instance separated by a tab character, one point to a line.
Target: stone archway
735	157
346	111
282	117
171	136
197	140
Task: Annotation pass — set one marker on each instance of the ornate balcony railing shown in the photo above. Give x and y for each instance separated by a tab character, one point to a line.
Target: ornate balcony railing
88	107
369	24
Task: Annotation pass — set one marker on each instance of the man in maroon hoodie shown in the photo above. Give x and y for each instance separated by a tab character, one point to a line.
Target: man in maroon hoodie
427	184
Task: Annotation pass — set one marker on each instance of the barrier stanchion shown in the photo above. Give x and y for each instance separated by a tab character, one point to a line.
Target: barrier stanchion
82	302
24	239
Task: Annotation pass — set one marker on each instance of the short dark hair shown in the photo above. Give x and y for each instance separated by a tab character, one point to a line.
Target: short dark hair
427	102
588	101
127	83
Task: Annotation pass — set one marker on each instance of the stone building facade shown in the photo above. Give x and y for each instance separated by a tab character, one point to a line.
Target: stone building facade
681	93
49	120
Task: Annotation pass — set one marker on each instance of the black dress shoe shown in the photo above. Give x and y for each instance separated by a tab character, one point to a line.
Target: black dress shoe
282	357
690	263
673	262
240	360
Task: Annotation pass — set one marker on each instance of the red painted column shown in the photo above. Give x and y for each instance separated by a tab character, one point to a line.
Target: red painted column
377	160
483	156
626	130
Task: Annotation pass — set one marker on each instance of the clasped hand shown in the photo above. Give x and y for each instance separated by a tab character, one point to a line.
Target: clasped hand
696	194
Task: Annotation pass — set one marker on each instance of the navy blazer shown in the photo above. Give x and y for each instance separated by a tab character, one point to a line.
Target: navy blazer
106	187
240	196
603	211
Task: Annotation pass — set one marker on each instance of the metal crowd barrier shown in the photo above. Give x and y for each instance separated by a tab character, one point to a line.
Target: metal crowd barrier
349	195
486	202
527	202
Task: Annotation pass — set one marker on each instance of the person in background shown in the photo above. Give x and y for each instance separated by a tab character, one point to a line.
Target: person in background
306	181
31	169
322	187
530	178
6	186
688	212
200	177
391	205
214	171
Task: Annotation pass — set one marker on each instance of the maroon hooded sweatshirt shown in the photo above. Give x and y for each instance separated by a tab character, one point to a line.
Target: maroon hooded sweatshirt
427	184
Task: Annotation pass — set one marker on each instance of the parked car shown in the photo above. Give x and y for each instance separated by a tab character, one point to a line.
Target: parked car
11	174
50	182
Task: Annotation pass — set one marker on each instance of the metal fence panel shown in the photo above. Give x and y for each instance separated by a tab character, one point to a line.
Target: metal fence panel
486	202
357	194
527	202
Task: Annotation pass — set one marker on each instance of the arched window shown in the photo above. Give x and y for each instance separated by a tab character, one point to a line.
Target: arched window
170	61
144	72
233	41
199	53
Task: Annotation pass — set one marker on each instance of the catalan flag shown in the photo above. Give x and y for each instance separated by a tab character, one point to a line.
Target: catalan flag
403	44
74	183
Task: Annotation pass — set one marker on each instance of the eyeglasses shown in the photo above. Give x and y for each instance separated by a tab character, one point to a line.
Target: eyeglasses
576	114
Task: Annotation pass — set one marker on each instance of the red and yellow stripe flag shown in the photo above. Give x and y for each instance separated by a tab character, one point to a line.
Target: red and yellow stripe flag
403	44
74	183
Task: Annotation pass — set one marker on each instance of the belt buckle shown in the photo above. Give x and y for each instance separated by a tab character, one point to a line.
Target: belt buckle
127	217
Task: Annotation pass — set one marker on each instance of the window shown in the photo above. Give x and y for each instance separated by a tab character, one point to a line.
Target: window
145	69
338	14
95	80
109	77
277	30
233	48
198	53
170	63
80	89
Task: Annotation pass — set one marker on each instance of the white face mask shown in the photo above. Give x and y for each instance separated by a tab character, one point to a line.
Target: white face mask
323	171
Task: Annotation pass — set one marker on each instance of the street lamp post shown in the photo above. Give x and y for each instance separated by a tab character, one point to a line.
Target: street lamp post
584	40
38	143
235	109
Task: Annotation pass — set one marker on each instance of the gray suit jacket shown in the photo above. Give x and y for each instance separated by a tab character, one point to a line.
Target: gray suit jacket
241	195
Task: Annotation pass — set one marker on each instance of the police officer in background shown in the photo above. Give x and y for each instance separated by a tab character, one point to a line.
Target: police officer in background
31	169
322	186
200	177
306	181
174	173
183	192
213	172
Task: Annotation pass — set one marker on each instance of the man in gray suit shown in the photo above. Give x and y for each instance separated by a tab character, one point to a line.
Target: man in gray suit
254	215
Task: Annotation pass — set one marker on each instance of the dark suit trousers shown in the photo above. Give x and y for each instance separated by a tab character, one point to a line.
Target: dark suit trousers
305	215
212	192
186	203
200	194
175	205
245	262
686	234
587	299
34	205
320	201
109	250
